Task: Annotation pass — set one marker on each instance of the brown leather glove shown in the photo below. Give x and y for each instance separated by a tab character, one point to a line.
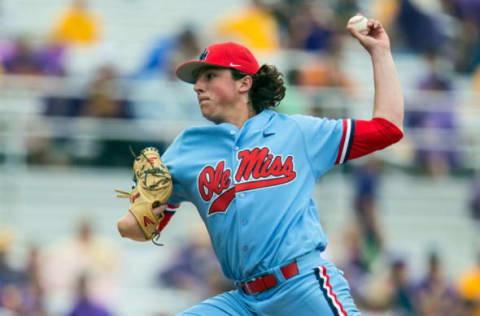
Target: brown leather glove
153	187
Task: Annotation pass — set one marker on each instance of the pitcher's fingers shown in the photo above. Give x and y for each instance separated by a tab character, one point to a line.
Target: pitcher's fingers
354	32
374	24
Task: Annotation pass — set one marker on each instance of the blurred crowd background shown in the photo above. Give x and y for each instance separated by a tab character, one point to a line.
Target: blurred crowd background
83	80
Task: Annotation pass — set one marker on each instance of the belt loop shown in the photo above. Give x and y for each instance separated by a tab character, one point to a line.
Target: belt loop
247	288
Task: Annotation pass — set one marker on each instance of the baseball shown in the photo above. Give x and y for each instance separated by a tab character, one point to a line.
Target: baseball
359	23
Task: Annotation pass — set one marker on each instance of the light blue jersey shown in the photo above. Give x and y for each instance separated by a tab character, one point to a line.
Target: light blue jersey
253	186
253	189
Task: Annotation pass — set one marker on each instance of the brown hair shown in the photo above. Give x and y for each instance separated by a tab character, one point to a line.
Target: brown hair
268	87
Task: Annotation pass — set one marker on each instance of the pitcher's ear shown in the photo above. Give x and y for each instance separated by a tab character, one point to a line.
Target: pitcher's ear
245	83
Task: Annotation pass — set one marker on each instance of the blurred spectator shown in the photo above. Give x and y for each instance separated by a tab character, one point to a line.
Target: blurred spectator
469	287
22	60
475	199
435	297
253	26
364	242
60	104
467	57
8	274
464	9
83	253
437	141
77	25
402	292
476	81
45	150
51	57
168	52
7	47
11	299
195	268
176	103
467	42
21	290
366	211
353	264
393	292
311	27
10	278
421	31
282	11
386	12
22	57
106	96
34	292
85	305
366	187
324	70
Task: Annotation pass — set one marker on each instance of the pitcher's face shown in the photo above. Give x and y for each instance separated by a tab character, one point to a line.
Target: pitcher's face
217	92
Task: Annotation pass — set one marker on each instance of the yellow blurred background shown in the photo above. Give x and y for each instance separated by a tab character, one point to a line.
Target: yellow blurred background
82	80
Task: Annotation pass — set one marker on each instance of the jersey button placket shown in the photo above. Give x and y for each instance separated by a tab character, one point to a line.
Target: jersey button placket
239	196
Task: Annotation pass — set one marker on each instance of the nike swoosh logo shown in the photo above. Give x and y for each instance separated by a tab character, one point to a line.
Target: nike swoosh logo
233	65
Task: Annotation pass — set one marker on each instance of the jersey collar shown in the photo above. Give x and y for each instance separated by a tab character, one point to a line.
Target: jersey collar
262	122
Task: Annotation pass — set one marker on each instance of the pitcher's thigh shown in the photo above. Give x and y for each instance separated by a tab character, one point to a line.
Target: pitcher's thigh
225	304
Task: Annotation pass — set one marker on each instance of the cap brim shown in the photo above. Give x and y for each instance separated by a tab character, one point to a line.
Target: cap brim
188	70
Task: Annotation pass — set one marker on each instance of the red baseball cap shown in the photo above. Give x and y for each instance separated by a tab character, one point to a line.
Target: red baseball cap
228	55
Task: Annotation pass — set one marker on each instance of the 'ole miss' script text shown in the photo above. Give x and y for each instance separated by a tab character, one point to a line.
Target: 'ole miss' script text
258	168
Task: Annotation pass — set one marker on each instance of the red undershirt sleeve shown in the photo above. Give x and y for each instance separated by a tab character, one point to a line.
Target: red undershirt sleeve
169	212
361	138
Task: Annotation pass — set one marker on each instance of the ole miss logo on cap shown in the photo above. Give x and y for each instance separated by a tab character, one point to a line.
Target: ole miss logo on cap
203	56
227	55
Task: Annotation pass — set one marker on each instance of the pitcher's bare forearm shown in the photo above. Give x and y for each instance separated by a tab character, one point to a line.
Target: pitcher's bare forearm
128	225
128	228
388	102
